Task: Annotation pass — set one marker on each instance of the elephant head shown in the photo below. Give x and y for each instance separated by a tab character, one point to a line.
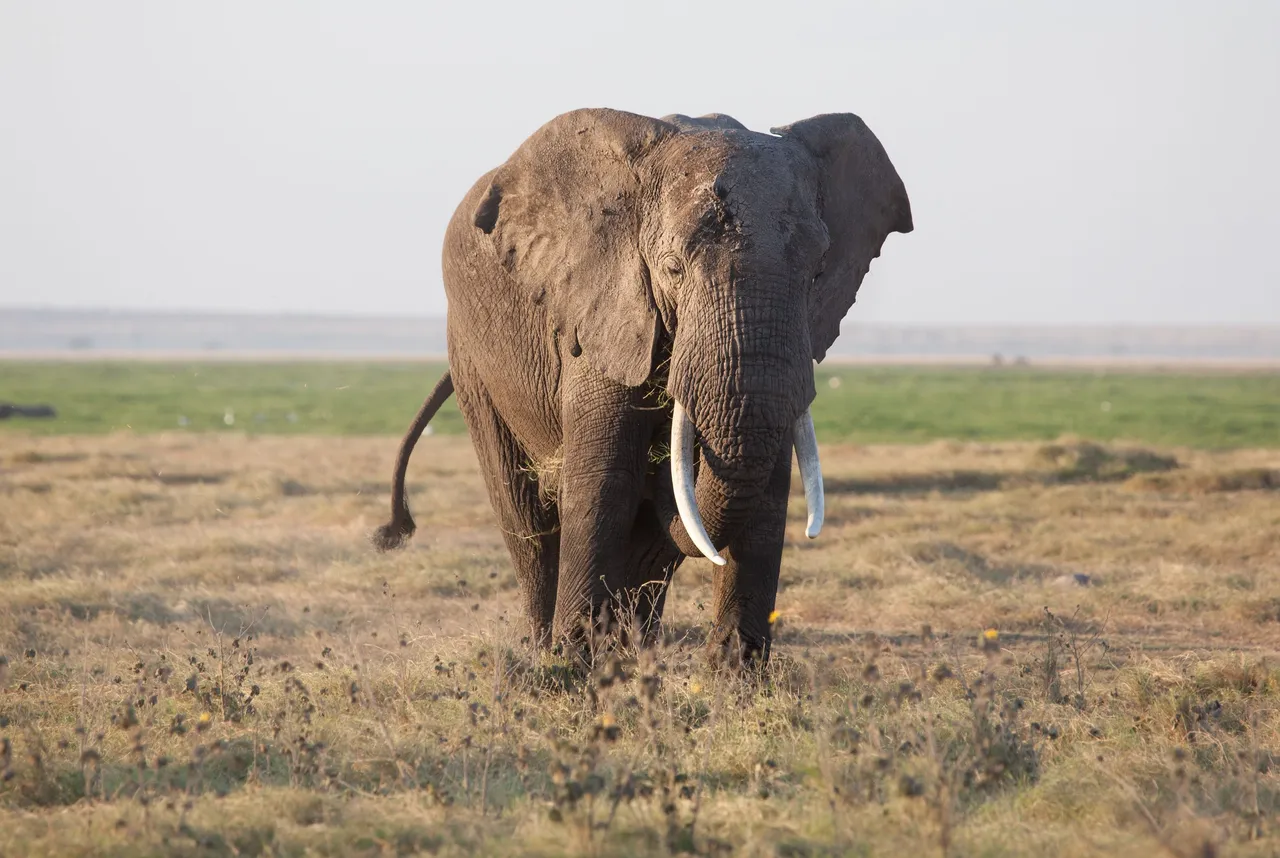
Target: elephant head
731	254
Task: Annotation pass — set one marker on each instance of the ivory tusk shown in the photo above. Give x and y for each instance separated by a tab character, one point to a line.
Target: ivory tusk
682	481
806	441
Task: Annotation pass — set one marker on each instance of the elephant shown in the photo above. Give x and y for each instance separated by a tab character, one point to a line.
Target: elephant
624	292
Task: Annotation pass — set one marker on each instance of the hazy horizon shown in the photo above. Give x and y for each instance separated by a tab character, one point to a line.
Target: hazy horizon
360	314
1091	164
88	334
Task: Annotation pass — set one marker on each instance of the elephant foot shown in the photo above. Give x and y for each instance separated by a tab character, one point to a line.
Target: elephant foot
731	649
582	638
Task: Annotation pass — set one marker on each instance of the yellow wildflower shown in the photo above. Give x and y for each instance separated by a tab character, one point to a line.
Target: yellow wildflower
991	634
773	616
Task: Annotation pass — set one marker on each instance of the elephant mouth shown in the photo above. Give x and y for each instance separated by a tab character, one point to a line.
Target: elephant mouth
683	485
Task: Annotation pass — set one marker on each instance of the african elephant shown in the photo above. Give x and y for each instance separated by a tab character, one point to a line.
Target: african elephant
622	284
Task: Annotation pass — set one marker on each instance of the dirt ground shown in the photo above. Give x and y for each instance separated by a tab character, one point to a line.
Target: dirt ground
992	649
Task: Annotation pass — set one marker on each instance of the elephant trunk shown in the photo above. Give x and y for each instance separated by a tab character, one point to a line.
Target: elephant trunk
739	402
685	488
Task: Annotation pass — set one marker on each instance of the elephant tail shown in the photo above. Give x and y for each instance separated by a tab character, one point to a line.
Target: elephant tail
401	526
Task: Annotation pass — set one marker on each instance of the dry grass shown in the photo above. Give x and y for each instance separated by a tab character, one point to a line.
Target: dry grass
203	657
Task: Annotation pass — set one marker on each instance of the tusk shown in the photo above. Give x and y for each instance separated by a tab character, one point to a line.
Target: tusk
806	441
682	482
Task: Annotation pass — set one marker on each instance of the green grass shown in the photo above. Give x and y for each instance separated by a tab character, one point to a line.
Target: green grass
895	404
871	404
278	398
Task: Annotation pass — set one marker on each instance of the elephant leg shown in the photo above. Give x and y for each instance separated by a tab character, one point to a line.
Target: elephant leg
652	559
529	522
745	589
607	428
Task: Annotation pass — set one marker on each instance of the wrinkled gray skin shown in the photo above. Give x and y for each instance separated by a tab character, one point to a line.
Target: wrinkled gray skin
615	263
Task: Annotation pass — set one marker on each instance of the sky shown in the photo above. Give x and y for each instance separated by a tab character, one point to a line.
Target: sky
1083	162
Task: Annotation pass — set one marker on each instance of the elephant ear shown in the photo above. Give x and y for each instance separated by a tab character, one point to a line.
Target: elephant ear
862	200
563	216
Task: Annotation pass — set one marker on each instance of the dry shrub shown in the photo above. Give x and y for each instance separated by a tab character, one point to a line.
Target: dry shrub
1266	610
1207	482
1084	461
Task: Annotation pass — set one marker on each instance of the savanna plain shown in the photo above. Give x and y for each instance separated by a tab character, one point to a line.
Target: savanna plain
1043	618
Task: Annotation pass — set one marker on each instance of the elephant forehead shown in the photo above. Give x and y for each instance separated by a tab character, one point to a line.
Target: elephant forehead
692	161
768	177
724	164
755	167
736	185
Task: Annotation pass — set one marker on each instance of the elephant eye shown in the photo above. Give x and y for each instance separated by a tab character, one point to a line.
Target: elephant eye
673	266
